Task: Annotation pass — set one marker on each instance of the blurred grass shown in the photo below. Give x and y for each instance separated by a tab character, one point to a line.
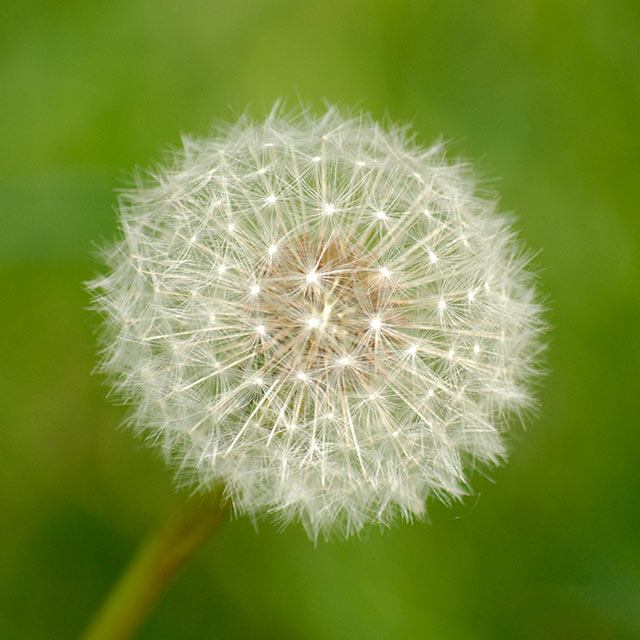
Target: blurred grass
544	95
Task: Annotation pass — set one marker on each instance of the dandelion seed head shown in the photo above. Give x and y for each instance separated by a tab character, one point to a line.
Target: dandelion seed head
331	364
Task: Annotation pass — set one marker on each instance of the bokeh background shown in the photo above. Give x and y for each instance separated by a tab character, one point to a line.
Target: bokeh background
543	96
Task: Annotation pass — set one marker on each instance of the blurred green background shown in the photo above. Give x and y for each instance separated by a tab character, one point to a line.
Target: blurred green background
543	96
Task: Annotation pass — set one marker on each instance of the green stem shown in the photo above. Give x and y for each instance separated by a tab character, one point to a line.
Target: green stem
155	563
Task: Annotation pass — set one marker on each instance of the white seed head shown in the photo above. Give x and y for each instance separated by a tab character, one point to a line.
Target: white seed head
330	392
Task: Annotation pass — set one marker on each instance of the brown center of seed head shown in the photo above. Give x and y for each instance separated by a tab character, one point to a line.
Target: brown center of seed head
327	307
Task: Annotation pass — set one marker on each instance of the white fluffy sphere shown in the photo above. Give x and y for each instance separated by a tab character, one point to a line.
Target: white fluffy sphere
321	316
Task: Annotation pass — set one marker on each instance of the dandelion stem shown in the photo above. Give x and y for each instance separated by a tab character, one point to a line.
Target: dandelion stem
155	563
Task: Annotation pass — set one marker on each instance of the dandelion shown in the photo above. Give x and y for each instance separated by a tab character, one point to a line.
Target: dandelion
321	316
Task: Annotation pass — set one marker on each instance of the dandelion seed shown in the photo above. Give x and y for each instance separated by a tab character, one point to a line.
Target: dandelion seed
366	413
